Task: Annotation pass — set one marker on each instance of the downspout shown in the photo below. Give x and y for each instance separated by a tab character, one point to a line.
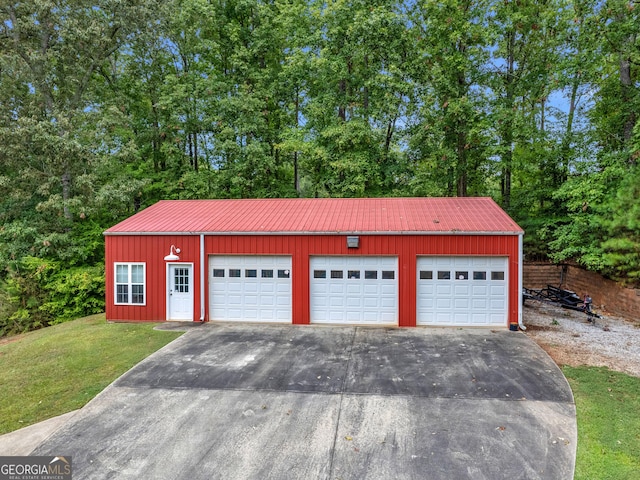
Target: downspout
202	270
520	274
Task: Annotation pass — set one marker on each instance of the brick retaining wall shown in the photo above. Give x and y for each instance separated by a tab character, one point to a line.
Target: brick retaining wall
608	296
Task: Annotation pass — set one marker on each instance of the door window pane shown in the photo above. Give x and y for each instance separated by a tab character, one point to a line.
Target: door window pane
444	275
479	275
181	280
370	274
267	273
388	274
283	273
336	273
234	272
497	275
319	274
426	275
353	274
249	273
218	272
462	275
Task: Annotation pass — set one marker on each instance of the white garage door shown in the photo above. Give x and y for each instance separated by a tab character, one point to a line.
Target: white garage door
462	291
253	288
354	290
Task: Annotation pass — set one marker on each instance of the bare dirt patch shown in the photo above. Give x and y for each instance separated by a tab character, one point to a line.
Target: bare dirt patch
570	339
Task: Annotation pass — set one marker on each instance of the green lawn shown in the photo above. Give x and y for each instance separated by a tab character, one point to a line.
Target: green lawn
58	369
608	411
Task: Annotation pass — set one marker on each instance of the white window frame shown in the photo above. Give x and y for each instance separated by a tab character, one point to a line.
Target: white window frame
129	283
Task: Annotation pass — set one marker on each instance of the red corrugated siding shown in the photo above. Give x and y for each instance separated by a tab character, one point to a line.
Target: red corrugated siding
152	249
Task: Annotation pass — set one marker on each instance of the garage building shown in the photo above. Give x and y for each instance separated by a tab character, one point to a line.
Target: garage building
367	261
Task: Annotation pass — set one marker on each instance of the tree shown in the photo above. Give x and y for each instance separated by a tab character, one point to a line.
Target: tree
358	93
450	135
521	66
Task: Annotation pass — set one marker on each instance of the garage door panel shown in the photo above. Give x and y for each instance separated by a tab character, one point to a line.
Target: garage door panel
480	303
479	290
268	289
444	303
250	287
461	290
390	290
369	302
260	294
479	298
388	317
388	303
497	304
322	288
374	289
337	302
355	302
234	300
250	300
461	303
357	293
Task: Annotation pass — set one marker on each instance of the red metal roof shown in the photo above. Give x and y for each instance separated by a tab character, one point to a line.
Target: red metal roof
321	215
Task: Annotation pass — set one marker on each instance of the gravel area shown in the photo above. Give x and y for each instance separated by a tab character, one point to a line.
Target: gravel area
570	339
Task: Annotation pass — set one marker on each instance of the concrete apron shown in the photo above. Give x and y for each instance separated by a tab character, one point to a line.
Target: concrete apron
286	402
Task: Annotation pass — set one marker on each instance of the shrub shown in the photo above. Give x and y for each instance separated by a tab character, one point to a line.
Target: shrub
38	293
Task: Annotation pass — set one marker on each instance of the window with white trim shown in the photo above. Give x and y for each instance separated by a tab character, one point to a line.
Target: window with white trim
130	283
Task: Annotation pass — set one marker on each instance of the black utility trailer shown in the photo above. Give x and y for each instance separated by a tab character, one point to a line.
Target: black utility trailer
562	297
565	298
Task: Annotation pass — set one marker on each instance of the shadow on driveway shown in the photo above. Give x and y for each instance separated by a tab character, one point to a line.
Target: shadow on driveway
287	402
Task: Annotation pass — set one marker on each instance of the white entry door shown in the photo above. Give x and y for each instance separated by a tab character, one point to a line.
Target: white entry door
456	291
180	294
357	289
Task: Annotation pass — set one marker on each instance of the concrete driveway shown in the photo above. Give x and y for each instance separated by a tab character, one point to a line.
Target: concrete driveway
294	402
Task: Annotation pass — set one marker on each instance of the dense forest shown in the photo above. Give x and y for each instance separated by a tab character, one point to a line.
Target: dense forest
107	106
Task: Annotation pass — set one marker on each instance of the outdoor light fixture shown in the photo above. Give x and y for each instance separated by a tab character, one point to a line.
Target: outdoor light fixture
353	242
173	254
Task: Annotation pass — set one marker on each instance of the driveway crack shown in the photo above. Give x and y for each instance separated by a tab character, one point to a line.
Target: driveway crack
342	391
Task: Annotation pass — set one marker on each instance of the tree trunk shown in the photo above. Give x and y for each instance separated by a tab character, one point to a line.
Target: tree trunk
566	139
461	184
66	193
296	179
507	132
195	151
342	111
626	83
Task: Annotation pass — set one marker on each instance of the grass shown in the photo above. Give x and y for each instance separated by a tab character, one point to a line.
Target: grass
608	413
58	369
